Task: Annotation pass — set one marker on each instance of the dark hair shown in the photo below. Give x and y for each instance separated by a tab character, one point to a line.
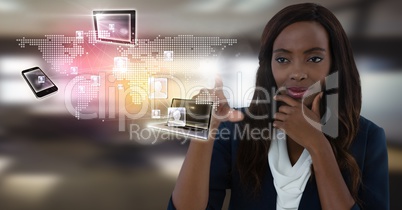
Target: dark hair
252	155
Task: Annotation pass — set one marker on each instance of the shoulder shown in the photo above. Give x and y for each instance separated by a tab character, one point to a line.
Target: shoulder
226	134
369	133
227	140
367	127
369	143
223	156
370	152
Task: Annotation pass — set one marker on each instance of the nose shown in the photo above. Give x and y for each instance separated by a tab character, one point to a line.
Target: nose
298	76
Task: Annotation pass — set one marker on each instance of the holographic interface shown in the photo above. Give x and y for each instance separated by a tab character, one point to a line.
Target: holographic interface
110	72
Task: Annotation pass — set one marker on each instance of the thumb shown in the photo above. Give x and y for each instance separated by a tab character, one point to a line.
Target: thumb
235	115
316	104
228	114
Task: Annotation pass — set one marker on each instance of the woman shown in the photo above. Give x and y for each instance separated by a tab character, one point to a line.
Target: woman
301	46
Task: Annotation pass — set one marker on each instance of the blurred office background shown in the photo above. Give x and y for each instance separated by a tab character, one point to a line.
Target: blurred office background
51	160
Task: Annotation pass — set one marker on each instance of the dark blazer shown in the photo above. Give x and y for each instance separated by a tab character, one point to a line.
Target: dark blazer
369	149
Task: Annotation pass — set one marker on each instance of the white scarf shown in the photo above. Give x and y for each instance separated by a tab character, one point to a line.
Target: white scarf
289	181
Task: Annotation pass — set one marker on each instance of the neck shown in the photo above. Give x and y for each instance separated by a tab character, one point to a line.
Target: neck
294	150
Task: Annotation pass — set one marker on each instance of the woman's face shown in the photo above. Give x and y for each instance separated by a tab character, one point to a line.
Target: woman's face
301	57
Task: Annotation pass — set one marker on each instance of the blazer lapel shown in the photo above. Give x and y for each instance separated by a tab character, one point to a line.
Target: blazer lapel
310	199
271	191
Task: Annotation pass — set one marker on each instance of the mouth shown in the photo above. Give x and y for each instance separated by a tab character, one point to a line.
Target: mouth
296	92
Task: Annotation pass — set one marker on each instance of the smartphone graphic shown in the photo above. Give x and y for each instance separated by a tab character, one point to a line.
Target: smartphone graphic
39	82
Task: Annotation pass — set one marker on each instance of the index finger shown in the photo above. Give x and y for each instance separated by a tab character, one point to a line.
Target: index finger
218	82
287	99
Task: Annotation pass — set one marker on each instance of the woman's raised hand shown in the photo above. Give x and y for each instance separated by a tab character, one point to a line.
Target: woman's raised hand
222	111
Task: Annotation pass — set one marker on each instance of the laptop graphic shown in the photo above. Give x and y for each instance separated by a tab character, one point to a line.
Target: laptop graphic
187	118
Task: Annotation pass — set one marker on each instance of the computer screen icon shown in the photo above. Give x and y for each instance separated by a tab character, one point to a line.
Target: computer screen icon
115	26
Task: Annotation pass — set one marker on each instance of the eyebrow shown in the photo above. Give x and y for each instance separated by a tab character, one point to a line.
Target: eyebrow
305	52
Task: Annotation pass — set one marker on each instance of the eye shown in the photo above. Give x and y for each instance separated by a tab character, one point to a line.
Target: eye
315	59
282	60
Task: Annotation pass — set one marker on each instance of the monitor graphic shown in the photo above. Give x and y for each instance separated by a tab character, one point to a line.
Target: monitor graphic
115	25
